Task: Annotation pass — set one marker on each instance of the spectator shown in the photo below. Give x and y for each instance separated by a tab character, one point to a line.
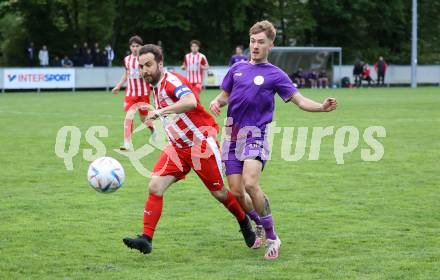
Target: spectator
357	73
238	56
110	55
84	52
95	49
76	55
323	79
56	61
366	74
31	55
298	78
43	56
104	58
88	59
99	59
380	67
66	62
306	77
313	79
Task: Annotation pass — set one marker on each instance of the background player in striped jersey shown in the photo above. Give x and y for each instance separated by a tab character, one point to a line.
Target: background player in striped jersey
191	131
195	64
137	91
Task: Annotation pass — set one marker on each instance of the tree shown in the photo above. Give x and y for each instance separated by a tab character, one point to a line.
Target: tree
363	28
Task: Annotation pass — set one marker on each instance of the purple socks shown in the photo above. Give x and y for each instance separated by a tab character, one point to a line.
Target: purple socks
254	217
267	223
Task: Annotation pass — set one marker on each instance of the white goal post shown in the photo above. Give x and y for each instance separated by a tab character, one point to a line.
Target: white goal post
290	59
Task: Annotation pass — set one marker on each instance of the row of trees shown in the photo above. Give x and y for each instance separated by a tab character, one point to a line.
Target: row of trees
364	28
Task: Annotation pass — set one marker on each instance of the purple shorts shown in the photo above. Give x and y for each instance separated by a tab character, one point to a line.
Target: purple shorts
234	153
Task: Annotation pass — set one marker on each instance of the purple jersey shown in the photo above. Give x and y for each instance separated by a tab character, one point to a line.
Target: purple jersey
252	89
237	58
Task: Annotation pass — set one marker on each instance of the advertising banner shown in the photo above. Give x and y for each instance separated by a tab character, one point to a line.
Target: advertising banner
16	78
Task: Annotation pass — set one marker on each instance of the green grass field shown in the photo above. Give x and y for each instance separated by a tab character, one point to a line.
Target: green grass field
358	220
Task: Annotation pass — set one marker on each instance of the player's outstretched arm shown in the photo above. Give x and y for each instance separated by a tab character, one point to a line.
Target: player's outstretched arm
309	105
117	88
218	102
186	103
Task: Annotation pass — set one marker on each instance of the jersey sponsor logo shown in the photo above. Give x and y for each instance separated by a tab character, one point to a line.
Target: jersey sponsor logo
258	80
238	74
194	66
255	145
134	74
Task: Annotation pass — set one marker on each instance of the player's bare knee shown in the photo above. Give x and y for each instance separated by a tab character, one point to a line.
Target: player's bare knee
238	193
220	195
155	188
250	184
251	188
236	187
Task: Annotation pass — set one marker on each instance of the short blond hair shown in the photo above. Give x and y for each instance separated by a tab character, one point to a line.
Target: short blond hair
266	27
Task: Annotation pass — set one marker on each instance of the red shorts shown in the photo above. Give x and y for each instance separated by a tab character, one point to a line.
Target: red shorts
205	161
137	102
196	88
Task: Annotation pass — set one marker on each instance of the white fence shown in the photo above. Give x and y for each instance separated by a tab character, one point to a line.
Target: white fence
396	74
105	77
80	78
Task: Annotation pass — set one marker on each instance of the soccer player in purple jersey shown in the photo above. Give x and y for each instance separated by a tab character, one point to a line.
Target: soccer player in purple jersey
238	56
249	89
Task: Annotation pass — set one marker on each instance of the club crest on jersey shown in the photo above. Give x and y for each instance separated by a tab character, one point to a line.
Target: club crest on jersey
258	80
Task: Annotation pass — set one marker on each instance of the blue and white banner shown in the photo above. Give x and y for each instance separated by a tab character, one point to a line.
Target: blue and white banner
22	78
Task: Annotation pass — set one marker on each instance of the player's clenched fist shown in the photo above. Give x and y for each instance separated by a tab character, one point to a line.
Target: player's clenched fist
152	115
329	104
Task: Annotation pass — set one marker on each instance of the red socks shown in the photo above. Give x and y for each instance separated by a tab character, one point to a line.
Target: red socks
231	203
152	212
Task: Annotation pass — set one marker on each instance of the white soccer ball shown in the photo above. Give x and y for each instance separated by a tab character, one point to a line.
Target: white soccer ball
106	175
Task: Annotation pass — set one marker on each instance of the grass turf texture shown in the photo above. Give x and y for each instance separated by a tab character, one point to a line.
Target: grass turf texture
359	220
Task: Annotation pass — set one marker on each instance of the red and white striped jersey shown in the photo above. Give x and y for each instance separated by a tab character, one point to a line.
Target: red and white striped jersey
185	129
136	85
193	64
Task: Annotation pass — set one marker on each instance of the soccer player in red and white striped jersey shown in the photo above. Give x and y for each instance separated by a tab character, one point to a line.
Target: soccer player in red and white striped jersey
195	64
192	132
137	91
